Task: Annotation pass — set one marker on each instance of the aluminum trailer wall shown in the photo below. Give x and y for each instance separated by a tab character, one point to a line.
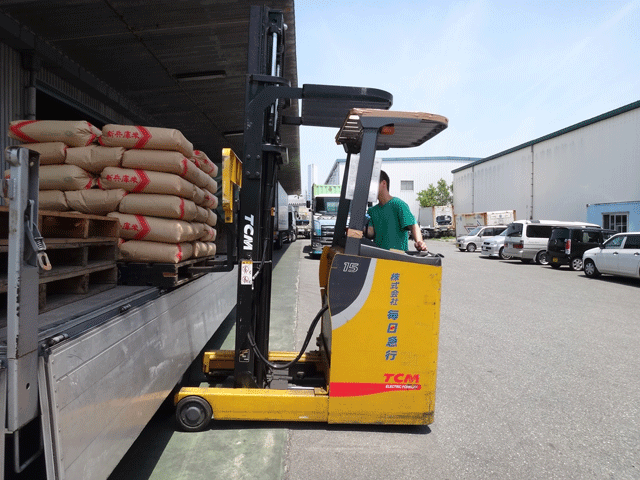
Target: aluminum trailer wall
555	177
104	386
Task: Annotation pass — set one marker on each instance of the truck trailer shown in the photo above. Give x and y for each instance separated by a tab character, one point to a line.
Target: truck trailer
465	222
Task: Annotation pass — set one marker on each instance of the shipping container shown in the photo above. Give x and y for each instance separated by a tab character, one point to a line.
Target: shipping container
465	222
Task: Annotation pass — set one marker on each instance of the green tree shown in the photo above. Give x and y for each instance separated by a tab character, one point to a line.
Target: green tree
442	194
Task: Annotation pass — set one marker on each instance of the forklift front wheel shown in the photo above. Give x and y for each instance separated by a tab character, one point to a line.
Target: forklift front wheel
193	413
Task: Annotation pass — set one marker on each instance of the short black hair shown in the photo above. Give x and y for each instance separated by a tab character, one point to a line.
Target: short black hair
385	177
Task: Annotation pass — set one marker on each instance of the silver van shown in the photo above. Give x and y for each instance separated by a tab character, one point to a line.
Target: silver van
473	240
527	239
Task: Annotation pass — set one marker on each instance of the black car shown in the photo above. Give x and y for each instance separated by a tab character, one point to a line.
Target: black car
567	244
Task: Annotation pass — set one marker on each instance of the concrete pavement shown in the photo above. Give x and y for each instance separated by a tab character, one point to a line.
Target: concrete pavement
537	378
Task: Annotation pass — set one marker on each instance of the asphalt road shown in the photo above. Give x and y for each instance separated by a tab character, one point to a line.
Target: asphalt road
537	378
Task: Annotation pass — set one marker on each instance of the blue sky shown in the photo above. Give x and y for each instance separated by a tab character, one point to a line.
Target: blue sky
503	73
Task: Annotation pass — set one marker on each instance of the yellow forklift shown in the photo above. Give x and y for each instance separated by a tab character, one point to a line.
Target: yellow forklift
377	350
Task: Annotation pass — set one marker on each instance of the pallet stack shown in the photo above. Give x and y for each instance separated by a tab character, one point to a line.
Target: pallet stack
82	250
160	190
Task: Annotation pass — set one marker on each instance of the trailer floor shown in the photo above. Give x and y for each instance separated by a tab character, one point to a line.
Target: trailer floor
228	450
77	306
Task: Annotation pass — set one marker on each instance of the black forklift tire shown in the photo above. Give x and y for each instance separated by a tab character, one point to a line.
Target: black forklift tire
193	414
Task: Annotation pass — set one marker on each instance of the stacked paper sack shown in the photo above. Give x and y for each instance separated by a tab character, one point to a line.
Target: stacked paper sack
150	179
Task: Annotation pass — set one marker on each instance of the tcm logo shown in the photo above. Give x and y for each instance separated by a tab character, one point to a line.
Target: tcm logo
401	378
248	233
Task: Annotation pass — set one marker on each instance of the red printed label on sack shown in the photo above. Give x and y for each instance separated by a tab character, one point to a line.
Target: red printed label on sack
142	135
16	130
181	208
179	254
142	180
144	228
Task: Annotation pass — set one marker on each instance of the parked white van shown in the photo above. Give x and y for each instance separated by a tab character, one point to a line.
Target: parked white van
527	239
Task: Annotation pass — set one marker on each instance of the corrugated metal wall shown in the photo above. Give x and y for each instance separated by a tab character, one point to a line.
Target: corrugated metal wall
47	80
13	80
12	83
597	163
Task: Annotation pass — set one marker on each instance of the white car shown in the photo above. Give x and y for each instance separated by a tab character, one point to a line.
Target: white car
494	247
620	255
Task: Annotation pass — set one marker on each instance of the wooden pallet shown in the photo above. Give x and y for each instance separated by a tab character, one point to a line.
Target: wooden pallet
163	275
65	225
82	250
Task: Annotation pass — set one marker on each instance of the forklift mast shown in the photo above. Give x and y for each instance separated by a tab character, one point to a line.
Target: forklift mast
268	93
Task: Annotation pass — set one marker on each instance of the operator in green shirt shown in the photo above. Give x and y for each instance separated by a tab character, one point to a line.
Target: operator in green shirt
391	220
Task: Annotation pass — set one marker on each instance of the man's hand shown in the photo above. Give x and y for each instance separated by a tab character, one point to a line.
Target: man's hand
420	246
417	235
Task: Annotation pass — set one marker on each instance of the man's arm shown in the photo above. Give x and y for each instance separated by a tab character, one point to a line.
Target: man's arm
417	237
370	232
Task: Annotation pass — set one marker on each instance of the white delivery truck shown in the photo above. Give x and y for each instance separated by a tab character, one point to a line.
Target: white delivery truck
284	222
324	207
437	221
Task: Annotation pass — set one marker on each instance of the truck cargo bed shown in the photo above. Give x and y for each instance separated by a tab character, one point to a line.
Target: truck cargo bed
111	359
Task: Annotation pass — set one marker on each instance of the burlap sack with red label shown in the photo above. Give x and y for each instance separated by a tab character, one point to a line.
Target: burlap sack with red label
73	133
140	251
144	181
212	186
200	249
168	162
163	206
152	229
65	178
95	158
212	218
51	153
52	200
198	230
204	163
198	196
209	234
209	200
146	138
202	215
95	201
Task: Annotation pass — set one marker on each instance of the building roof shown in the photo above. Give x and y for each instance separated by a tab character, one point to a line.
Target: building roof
409	159
422	159
584	123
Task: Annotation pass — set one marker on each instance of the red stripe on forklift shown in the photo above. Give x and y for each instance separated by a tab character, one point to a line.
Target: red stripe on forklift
347	389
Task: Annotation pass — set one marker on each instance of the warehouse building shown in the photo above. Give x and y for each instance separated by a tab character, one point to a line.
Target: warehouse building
586	172
408	176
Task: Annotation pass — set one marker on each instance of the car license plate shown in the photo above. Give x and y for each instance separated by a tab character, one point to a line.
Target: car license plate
554	259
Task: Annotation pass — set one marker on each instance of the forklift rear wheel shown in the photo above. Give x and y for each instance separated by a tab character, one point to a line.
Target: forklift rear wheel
193	413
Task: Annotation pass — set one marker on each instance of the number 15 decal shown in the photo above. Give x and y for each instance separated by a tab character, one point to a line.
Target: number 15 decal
350	267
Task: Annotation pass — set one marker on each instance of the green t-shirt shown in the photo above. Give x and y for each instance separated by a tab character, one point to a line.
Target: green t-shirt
390	222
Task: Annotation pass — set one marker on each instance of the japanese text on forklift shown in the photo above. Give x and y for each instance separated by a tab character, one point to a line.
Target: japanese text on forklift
371	298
